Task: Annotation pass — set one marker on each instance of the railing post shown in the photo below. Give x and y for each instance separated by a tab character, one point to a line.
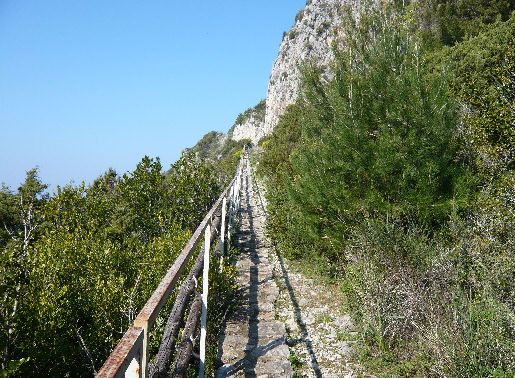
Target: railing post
237	189
222	234
235	195
130	356
229	226
205	287
144	352
240	181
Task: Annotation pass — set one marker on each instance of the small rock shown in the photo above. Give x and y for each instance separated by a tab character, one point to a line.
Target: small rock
305	302
347	349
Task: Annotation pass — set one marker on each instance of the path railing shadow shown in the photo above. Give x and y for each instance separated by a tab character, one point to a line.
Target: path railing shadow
298	313
243	364
247	243
253	281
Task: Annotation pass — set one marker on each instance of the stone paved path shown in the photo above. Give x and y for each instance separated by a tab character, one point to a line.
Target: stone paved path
253	343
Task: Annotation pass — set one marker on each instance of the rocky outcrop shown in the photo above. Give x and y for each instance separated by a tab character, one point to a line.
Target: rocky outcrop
310	38
251	129
209	147
249	124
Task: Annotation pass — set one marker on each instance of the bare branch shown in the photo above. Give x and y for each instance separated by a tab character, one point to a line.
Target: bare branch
85	350
10	232
131	297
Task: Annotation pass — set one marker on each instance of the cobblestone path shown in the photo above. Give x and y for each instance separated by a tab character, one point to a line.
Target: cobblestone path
320	335
253	343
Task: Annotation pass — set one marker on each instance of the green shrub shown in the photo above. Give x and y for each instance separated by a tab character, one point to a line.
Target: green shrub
376	141
93	260
396	178
452	21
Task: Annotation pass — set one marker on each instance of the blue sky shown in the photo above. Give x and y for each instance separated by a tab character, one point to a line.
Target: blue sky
88	85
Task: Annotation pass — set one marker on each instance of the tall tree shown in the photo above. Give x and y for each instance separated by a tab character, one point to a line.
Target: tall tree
20	218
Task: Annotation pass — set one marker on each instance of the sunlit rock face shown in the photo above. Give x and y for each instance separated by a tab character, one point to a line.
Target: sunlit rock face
252	128
249	124
310	38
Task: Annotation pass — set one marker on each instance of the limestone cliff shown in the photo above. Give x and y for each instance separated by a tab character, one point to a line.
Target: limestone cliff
249	125
310	38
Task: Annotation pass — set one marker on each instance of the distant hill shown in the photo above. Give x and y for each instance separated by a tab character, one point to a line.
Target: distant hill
209	147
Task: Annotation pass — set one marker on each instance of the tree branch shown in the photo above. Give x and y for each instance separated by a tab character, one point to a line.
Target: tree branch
85	350
130	310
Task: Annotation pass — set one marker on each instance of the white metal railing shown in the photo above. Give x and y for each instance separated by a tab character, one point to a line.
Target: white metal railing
130	356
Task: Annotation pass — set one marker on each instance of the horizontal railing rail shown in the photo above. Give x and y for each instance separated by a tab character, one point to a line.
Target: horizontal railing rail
130	356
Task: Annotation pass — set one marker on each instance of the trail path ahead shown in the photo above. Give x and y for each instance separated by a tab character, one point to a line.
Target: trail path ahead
282	316
253	343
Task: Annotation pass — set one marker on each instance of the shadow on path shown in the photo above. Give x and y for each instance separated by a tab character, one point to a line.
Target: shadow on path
248	245
253	342
247	364
293	298
253	283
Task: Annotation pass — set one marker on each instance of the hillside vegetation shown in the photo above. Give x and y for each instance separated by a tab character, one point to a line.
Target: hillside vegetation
220	154
396	179
78	265
257	111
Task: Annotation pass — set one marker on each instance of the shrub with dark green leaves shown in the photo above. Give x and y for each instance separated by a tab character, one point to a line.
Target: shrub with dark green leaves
396	177
376	141
94	257
449	22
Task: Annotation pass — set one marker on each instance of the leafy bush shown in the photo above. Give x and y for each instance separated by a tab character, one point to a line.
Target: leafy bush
95	255
484	82
396	177
376	141
453	21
